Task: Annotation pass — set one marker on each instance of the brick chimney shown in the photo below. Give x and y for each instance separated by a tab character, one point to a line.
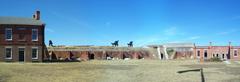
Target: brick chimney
229	44
210	45
194	45
36	16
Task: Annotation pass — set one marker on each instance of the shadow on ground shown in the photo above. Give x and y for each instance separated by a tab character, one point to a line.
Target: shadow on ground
230	70
204	66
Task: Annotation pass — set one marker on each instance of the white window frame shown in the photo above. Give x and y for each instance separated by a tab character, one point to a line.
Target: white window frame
36	52
199	53
36	34
234	53
6	52
6	34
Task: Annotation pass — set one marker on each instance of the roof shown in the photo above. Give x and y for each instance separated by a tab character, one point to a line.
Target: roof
154	46
175	45
179	44
20	21
236	46
201	46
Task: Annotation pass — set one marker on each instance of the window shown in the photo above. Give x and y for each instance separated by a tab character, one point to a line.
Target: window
8	33
34	53
34	34
235	53
8	52
198	53
205	54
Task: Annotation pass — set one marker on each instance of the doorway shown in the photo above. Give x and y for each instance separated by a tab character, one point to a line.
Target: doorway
161	56
21	54
223	56
90	56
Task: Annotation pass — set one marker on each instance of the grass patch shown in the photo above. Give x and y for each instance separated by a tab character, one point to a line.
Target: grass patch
117	71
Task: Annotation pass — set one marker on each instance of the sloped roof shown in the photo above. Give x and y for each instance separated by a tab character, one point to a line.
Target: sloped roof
20	21
175	45
201	46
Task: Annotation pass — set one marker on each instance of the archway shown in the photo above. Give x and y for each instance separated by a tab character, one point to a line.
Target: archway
108	57
91	56
140	57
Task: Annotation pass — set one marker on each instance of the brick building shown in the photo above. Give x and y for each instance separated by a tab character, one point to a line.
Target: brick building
22	39
191	51
223	52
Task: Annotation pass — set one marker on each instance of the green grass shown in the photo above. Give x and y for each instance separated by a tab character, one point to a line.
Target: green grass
118	71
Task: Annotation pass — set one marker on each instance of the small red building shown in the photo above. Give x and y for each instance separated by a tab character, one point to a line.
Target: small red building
191	51
223	52
22	39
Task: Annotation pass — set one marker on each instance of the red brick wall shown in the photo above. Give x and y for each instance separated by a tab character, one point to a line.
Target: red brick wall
27	33
183	54
218	50
101	55
238	54
27	42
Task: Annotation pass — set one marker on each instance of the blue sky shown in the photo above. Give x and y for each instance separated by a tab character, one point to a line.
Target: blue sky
99	22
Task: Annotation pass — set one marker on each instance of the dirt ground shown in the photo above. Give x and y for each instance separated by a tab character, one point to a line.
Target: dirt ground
119	71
